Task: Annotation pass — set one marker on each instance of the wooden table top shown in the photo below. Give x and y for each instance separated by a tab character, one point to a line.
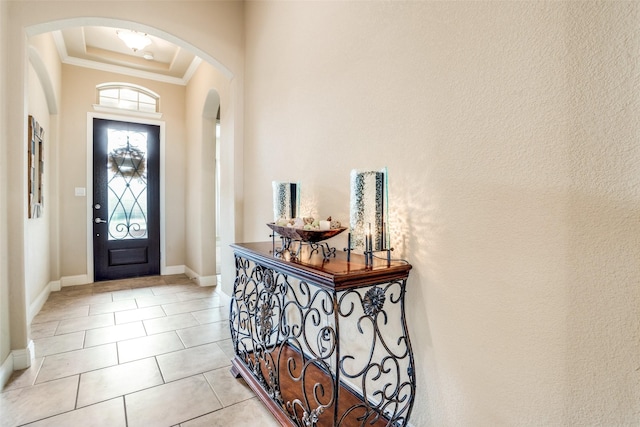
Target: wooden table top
334	272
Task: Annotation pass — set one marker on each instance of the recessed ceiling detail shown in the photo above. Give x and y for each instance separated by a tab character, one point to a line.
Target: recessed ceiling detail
102	48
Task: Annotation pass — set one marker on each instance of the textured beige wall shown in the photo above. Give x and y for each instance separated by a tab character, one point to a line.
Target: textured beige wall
5	342
510	133
602	264
38	230
78	97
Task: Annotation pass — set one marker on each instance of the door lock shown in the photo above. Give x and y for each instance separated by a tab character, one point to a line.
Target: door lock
99	220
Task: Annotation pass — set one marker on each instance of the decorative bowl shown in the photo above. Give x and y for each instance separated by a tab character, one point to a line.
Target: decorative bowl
312	236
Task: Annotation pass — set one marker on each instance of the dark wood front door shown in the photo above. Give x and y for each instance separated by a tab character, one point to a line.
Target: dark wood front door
126	199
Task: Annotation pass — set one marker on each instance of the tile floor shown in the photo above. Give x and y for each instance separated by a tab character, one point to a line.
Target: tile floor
151	352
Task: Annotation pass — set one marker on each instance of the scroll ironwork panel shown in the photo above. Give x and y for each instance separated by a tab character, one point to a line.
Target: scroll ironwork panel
326	356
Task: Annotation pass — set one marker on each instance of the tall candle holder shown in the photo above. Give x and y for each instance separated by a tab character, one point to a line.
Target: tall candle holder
369	209
286	200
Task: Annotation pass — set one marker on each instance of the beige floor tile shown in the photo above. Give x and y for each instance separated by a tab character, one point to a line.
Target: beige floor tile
29	404
115	333
174	289
147	282
88	299
78	361
224	299
114	381
42	330
228	389
24	377
250	413
198	293
111	286
104	414
188	306
141	348
48	315
152	300
110	307
203	334
191	361
131	294
178	279
227	348
171	404
139	314
169	323
58	343
84	323
212	315
102	317
72	291
81	297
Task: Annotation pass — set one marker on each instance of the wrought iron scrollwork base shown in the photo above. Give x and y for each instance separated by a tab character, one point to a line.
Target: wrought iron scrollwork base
288	333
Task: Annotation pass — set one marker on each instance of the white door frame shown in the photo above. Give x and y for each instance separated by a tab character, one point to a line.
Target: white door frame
133	118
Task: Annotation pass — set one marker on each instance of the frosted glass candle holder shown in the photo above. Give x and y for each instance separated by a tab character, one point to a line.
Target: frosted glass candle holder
369	209
286	200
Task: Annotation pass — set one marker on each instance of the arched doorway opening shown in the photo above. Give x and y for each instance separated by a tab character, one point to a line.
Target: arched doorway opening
24	21
208	242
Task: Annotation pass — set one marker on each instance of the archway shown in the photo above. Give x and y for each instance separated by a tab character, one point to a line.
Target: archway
208	201
18	54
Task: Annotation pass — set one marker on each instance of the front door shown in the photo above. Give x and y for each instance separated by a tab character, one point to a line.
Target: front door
126	199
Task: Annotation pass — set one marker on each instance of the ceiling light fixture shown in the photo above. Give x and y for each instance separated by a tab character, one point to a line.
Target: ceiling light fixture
133	39
148	56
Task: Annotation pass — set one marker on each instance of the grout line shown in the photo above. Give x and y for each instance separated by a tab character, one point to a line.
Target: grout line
160	370
75	405
222	406
35	378
117	351
146	333
124	408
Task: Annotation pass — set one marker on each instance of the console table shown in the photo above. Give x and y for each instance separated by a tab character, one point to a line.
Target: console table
323	342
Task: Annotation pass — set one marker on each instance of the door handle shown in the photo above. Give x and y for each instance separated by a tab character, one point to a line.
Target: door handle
99	220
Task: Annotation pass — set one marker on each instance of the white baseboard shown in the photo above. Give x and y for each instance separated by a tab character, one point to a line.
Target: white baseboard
201	280
6	369
190	273
22	358
207	280
36	306
17	360
81	279
173	269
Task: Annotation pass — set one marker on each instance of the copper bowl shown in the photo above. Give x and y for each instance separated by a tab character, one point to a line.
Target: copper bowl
312	236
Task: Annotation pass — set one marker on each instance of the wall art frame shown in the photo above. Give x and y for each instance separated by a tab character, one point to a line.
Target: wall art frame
35	170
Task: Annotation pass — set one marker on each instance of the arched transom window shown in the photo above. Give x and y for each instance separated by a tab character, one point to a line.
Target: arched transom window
128	97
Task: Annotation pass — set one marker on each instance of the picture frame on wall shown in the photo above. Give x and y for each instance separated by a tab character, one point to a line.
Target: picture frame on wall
35	169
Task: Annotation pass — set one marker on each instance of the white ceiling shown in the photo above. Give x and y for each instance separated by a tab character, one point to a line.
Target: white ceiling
100	48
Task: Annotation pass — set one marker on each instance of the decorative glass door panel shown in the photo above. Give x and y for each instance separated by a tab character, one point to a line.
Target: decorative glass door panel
127	181
126	201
